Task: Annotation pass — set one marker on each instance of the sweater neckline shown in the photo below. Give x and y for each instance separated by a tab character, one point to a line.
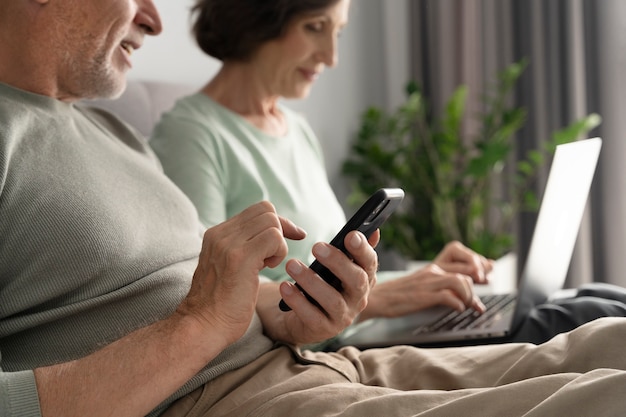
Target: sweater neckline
34	99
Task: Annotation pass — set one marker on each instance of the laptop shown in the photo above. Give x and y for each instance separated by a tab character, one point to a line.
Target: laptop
544	272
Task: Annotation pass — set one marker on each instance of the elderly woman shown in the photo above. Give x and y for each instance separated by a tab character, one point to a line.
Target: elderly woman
234	143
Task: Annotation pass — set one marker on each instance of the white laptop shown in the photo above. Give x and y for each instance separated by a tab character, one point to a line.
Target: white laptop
544	272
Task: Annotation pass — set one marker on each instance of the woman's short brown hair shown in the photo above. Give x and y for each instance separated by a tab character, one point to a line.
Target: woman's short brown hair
234	29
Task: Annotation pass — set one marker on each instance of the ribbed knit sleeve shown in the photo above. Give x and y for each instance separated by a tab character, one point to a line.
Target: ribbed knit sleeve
18	395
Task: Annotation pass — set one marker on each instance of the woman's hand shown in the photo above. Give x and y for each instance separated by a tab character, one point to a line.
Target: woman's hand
447	281
456	257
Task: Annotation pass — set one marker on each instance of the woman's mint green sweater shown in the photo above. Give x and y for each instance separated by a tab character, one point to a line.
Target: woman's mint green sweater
225	164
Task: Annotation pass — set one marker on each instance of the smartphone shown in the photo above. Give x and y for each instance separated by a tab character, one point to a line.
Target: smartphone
369	217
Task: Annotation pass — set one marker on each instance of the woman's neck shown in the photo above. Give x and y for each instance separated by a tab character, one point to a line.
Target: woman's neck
240	89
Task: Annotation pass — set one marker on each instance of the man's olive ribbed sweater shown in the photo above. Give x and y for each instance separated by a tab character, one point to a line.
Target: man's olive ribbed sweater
95	242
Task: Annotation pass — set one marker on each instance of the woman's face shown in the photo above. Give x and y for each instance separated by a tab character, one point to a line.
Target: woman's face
289	65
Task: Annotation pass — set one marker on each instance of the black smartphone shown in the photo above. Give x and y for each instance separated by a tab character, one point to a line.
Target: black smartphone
369	217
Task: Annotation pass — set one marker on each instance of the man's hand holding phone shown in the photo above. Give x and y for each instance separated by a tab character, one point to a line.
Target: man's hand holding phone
366	220
308	322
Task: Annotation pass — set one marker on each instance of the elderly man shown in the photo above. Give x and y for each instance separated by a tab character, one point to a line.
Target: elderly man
113	303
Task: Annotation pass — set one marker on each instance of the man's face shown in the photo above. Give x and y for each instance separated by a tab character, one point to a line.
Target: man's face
97	38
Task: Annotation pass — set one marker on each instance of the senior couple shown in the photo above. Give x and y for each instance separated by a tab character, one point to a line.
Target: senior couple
115	299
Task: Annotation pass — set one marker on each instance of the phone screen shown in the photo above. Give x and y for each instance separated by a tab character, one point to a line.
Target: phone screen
369	217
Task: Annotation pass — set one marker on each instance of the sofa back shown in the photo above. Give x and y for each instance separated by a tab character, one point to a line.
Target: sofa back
143	102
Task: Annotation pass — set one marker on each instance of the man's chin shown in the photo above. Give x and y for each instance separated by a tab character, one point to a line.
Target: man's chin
114	88
108	89
117	93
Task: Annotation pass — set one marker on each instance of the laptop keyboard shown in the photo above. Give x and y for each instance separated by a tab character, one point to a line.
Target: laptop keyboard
495	305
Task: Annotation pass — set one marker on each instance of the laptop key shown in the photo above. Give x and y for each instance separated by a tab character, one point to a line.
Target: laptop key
502	307
469	318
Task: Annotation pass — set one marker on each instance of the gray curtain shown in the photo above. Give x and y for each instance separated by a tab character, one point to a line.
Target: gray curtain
572	47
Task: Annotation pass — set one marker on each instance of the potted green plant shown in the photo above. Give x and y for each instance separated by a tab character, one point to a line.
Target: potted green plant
457	188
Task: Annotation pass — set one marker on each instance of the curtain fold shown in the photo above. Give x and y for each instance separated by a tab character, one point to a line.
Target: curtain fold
607	66
572	51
